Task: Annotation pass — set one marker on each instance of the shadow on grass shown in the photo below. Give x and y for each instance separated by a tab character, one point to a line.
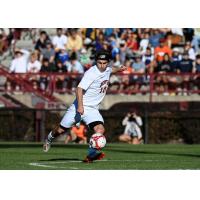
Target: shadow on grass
155	153
62	159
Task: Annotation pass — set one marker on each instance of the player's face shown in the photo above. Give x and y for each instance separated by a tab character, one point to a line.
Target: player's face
102	64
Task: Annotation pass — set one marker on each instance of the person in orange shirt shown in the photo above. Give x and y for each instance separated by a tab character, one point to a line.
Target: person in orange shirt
77	135
161	50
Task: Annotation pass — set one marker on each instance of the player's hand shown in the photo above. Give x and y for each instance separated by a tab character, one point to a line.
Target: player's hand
80	110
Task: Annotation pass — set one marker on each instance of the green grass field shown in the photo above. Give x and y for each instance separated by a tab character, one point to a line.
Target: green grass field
29	156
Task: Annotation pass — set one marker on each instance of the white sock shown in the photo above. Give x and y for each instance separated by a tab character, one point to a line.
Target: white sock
50	137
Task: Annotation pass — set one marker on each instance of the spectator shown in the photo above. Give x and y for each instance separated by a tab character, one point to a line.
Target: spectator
196	39
144	43
3	41
99	41
85	59
185	66
42	41
123	52
162	81
115	52
132	42
148	57
138	67
161	50
60	40
155	38
188	34
77	135
63	56
48	53
132	132
197	64
197	71
75	42
61	80
44	78
176	58
75	67
19	63
125	79
34	65
190	50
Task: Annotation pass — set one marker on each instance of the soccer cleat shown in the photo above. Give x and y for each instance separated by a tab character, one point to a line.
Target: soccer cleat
46	146
99	156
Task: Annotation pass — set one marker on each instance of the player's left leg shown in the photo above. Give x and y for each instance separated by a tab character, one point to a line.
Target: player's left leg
95	122
67	121
59	130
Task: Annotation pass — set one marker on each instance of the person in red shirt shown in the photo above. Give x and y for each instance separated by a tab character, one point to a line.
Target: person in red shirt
132	43
161	50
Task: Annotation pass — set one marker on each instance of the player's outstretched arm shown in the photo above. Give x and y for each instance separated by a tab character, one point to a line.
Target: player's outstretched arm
119	69
79	96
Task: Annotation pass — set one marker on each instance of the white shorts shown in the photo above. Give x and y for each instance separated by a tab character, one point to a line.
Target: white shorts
90	115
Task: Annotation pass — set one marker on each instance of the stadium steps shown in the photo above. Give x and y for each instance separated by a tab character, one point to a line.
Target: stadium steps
25	44
50	31
44	100
6	101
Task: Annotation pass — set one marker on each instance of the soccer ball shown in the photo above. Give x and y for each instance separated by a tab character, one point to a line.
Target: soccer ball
97	141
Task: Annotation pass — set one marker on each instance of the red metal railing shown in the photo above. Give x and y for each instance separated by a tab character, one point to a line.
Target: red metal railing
47	84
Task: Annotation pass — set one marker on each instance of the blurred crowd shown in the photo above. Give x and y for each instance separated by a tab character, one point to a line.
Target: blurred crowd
142	50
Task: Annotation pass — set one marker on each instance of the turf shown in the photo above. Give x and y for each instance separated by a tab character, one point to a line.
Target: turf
29	156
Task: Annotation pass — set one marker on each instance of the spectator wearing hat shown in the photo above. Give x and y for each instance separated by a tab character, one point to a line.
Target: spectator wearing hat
19	63
85	59
63	56
161	50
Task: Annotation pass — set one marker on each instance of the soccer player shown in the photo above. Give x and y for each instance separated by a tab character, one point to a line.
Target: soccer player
89	94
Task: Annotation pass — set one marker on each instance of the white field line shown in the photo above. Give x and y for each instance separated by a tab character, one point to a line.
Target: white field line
47	164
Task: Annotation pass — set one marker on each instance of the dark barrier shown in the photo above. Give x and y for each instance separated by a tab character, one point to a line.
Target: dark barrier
162	122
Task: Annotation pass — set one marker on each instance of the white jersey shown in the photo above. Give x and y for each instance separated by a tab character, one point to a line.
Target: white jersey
95	84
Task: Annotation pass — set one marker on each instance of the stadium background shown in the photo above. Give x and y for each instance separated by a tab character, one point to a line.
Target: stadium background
29	109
